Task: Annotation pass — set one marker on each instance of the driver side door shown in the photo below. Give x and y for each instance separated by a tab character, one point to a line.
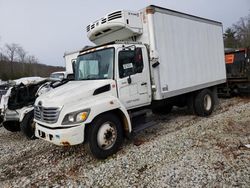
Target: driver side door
133	81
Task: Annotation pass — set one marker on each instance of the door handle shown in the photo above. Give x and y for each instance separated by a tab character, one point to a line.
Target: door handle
144	83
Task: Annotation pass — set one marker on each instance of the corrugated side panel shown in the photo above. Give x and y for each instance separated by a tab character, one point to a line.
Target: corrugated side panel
191	53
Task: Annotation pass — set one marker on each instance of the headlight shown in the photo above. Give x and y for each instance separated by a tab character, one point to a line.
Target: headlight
76	117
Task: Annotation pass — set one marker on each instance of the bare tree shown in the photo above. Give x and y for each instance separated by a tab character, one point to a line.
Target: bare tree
242	29
11	51
3	57
32	59
21	53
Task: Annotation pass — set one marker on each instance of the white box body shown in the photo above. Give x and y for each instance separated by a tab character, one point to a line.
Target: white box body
190	51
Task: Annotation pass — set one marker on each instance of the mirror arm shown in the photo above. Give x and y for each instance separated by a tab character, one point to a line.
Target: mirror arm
129	79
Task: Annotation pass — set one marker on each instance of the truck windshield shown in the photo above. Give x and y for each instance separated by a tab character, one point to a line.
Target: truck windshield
95	65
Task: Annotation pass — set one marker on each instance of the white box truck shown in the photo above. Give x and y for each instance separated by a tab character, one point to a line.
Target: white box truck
151	59
70	59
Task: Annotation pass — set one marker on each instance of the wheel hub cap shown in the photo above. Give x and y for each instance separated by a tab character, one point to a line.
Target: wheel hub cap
207	102
106	135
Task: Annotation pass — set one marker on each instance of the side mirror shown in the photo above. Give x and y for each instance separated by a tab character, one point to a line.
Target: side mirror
70	77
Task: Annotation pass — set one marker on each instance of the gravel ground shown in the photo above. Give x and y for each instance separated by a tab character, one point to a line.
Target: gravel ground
181	151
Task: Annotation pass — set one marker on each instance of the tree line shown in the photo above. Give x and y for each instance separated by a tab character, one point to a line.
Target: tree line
15	63
238	35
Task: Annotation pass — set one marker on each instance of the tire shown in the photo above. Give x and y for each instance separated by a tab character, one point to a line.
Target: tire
190	103
12	126
1	120
27	125
105	136
163	110
204	103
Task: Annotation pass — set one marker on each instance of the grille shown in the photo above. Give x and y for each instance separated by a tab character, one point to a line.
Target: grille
48	115
88	28
114	15
104	20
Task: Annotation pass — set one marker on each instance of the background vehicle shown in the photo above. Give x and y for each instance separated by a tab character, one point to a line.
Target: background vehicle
17	104
3	90
158	61
238	73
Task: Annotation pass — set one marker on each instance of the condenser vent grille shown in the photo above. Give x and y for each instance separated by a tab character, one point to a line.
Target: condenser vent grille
88	28
109	17
104	20
115	15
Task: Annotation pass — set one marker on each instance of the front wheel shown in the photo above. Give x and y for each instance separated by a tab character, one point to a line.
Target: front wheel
105	136
12	126
28	125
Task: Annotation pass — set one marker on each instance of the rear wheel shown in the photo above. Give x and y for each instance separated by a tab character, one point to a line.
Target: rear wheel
204	103
28	125
12	126
105	136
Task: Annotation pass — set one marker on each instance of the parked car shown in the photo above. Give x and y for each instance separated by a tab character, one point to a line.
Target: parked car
17	104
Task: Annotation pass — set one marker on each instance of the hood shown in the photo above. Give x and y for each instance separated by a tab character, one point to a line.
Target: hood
28	80
71	92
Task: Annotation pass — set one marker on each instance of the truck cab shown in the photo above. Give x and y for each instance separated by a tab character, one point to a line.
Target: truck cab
109	80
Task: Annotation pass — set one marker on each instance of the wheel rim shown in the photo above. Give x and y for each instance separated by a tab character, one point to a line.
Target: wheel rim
106	135
207	102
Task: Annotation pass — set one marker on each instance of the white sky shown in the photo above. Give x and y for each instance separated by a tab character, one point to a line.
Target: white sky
48	28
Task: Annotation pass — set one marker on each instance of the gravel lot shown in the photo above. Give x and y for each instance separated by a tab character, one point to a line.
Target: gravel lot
182	151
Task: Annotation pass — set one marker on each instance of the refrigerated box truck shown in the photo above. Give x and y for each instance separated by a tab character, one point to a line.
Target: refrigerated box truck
151	59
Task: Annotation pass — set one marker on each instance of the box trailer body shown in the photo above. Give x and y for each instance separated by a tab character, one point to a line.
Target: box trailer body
70	58
151	59
189	49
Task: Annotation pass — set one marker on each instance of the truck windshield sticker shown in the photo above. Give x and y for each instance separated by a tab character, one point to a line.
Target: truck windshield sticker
127	66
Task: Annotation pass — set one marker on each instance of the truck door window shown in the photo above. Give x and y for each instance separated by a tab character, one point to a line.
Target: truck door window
130	62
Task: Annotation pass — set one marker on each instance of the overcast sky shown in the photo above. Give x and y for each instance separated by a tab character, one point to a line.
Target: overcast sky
48	28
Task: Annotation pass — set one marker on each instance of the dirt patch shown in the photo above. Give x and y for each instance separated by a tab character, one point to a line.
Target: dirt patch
237	127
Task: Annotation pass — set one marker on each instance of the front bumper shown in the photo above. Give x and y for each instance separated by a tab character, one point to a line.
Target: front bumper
63	136
12	115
